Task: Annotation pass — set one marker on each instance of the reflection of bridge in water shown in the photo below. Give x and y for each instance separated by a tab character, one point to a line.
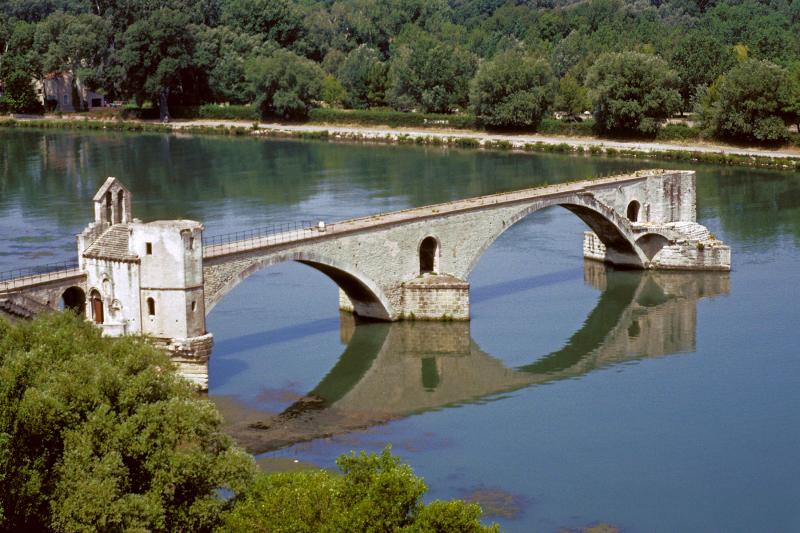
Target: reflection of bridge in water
394	370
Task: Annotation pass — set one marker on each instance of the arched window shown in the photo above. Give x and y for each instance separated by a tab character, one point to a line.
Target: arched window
97	307
151	307
109	201
118	217
428	255
633	211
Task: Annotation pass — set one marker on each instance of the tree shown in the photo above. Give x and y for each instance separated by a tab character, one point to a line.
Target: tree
221	54
513	90
285	84
276	20
363	75
632	93
333	92
572	98
755	101
428	74
20	96
699	58
101	434
375	493
156	53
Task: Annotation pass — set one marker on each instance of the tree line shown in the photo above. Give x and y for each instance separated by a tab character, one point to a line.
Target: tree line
632	63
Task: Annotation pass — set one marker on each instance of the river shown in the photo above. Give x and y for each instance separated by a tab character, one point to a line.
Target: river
576	396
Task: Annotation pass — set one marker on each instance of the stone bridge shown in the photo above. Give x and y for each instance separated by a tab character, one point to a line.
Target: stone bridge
388	371
161	279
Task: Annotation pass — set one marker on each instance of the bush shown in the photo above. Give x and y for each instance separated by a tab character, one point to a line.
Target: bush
679	132
99	433
632	93
552	126
375	493
512	91
373	117
216	112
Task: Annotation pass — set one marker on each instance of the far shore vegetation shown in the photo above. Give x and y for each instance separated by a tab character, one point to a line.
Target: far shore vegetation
725	70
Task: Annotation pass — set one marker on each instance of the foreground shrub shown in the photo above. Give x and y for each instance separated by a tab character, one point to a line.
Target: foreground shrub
375	493
101	434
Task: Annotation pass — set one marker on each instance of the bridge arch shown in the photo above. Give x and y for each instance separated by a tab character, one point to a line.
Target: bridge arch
367	298
74	299
613	230
651	244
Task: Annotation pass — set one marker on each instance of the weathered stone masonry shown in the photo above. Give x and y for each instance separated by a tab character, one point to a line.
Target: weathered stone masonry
158	279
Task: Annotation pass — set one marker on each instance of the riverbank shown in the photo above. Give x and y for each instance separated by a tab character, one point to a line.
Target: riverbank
784	159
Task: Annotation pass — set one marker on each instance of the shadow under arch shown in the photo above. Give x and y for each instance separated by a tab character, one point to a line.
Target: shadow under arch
381	374
612	230
367	298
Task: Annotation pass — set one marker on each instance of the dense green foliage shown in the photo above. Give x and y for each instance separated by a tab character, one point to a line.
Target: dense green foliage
755	101
374	493
285	84
512	91
410	55
100	434
632	92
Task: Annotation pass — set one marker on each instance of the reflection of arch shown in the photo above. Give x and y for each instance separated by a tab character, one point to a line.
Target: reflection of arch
633	211
367	298
612	230
358	391
429	255
74	299
97	306
651	244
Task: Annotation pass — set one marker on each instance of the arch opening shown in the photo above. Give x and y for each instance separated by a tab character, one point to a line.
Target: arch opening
118	216
633	211
74	299
151	307
366	303
107	207
618	246
429	256
97	307
651	244
368	300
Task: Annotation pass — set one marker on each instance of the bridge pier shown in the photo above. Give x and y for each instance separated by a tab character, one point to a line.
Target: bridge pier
427	297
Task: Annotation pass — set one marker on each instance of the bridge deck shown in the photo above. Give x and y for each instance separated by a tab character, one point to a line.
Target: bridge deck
415	213
24	282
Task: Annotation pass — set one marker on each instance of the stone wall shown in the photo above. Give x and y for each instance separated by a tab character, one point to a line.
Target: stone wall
435	297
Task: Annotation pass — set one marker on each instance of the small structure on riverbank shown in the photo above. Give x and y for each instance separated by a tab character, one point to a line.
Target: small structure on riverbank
160	278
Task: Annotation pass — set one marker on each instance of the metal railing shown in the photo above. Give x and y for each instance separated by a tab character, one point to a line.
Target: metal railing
18	277
264	236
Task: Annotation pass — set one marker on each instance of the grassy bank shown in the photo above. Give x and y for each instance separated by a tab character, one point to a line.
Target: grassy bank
717	158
